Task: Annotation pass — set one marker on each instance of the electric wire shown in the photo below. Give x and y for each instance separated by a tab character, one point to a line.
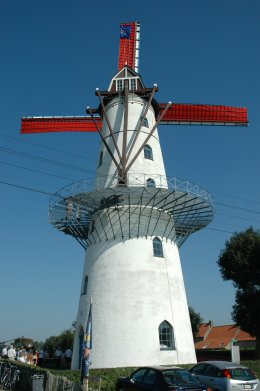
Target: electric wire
55	194
94	160
80	169
84	157
38	158
36	171
46	147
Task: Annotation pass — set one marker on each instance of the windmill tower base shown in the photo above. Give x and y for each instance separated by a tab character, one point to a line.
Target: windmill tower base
133	294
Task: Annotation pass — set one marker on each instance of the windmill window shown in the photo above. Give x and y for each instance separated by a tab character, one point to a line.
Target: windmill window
150	183
92	226
119	85
166	336
145	122
148	152
132	84
157	248
85	287
100	159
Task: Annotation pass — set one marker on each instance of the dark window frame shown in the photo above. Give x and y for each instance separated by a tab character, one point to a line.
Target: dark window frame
85	286
148	152
150	183
157	248
166	336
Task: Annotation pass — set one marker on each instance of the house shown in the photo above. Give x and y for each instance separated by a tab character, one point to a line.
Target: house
222	337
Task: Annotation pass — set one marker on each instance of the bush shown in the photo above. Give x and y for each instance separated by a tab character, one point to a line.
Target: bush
108	376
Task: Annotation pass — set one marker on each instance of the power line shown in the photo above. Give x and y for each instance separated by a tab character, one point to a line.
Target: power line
52	194
59	176
234	196
37	171
80	169
94	160
38	158
26	188
45	146
236	207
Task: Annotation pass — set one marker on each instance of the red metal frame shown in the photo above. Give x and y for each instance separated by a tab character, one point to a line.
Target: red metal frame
126	54
180	113
177	113
59	124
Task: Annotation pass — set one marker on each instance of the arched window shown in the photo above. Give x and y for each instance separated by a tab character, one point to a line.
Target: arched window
100	159
166	336
157	248
85	287
148	152
150	182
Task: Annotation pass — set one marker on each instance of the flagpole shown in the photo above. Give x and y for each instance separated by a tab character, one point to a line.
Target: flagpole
85	384
87	346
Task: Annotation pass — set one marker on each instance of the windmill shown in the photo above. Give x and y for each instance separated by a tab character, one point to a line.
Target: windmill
132	219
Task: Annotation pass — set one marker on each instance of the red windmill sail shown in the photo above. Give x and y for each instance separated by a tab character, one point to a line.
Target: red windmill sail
59	124
176	114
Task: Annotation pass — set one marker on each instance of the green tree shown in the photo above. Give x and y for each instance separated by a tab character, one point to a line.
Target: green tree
51	344
239	261
195	320
64	341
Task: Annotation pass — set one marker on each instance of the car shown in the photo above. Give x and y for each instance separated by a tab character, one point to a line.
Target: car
160	378
225	376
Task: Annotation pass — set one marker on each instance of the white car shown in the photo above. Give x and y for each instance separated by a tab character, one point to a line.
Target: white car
225	376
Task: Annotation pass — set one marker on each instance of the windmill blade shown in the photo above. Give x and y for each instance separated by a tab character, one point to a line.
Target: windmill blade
129	45
60	124
191	114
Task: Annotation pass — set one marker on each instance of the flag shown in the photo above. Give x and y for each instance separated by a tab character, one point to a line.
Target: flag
87	346
125	31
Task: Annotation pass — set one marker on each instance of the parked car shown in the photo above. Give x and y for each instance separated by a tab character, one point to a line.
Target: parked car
160	378
225	376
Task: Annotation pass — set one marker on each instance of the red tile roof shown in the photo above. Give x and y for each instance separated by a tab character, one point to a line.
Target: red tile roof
217	337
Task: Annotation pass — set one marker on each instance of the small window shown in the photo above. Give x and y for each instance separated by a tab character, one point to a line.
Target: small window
119	85
145	122
100	159
92	226
85	287
157	248
132	84
148	152
150	183
166	336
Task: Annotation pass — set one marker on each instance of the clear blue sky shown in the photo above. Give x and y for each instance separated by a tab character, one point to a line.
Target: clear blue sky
53	56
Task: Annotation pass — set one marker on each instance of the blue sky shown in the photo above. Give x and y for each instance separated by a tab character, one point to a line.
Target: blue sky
53	56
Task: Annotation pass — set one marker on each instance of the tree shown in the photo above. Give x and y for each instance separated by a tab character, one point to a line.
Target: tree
64	341
195	320
239	261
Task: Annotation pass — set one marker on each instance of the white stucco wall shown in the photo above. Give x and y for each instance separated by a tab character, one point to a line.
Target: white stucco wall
133	292
143	168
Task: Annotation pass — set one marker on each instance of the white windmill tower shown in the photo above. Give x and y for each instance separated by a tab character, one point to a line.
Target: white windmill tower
132	220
